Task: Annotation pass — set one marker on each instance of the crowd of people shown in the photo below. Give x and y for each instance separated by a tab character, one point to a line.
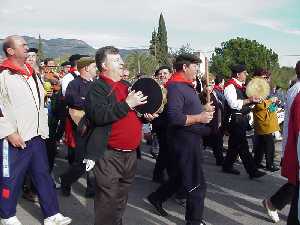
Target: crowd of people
87	103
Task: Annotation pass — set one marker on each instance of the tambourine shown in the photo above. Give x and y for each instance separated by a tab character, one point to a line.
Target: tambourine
258	87
156	95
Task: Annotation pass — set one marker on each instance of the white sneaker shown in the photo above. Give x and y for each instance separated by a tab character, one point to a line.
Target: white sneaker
11	221
271	212
57	219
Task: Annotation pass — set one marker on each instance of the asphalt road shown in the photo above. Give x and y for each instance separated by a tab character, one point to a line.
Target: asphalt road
231	199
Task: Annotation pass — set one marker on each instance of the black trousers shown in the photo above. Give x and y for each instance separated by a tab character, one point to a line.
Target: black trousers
186	169
162	161
238	144
293	215
51	152
114	175
77	168
283	196
215	141
264	144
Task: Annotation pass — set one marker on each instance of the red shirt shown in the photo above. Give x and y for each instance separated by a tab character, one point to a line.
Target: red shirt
126	133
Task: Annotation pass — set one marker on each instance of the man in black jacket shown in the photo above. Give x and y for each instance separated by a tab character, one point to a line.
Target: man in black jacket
116	134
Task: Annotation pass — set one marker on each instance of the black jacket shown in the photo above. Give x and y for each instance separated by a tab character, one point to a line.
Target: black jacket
102	109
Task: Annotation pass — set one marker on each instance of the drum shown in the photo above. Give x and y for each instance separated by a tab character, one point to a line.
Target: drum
156	96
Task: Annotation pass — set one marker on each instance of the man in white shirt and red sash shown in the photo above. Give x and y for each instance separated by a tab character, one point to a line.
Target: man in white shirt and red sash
23	128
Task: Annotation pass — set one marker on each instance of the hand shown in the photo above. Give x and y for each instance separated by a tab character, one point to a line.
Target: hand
206	117
150	117
209	107
274	99
16	140
136	98
49	93
89	164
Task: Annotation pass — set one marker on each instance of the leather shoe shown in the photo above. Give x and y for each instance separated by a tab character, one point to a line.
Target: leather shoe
157	205
256	174
273	168
232	171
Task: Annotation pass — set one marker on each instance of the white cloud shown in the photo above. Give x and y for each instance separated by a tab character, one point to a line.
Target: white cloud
274	25
204	24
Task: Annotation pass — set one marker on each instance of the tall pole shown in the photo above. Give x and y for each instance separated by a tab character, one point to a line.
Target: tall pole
207	79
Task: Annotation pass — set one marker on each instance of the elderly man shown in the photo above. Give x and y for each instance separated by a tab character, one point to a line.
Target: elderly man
23	128
115	137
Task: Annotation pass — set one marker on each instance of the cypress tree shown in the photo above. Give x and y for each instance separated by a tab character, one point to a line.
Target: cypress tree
162	47
40	49
153	44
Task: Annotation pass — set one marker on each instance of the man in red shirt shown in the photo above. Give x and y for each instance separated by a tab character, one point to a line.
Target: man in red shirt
115	137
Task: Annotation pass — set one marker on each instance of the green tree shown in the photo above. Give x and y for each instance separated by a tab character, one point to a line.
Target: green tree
281	77
184	49
40	53
242	51
153	43
162	47
140	62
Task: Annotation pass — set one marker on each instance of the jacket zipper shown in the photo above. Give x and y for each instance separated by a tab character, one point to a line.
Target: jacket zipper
37	108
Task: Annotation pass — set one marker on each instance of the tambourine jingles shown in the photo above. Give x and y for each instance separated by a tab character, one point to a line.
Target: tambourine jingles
156	95
258	87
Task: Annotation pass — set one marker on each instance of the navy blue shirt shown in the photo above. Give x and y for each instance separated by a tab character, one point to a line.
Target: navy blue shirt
76	93
183	100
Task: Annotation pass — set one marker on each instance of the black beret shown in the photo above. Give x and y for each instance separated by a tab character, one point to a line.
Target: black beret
66	63
76	57
162	68
238	68
33	50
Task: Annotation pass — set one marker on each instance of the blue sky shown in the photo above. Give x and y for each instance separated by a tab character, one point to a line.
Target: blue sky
204	24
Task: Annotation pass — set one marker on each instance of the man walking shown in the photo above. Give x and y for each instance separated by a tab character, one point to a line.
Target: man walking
115	137
23	128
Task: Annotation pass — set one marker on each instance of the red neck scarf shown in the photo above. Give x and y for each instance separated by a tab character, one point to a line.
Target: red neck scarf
179	78
9	65
72	69
217	87
233	81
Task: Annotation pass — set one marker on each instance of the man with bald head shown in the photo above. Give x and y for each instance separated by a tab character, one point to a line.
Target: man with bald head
23	128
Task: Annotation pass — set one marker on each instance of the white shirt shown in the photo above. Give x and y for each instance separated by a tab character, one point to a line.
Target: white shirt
290	96
66	80
20	106
231	96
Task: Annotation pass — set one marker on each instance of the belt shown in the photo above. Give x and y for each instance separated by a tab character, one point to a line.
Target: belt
238	113
121	150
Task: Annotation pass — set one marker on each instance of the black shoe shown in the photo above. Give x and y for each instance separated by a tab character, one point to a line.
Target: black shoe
232	171
256	174
30	196
191	223
272	168
158	179
157	205
260	166
65	189
219	162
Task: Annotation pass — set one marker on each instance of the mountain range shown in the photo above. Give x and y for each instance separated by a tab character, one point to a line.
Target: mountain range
60	47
